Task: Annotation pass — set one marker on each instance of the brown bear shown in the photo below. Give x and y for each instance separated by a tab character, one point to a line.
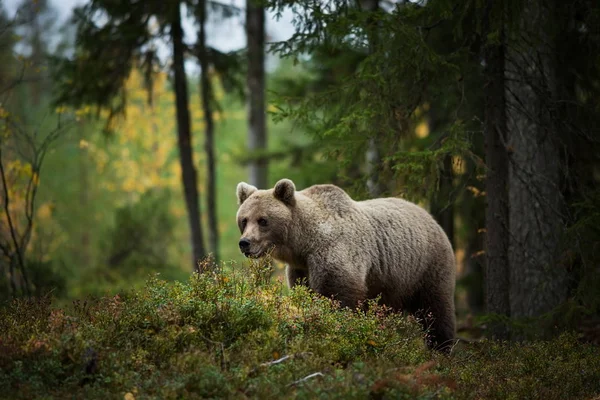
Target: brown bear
355	250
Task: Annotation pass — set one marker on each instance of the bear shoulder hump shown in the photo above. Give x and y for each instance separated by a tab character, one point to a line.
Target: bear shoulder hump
329	196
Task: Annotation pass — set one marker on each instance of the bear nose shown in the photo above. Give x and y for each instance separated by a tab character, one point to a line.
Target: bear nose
244	244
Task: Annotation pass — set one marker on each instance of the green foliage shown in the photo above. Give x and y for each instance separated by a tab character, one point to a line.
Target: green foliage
137	237
135	245
47	277
207	337
370	76
421	168
559	369
233	334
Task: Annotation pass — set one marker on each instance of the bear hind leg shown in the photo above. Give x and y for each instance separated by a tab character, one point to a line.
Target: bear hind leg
435	312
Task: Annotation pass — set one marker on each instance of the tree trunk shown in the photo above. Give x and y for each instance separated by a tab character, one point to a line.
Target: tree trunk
472	212
497	269
373	155
442	206
536	204
206	99
257	131
373	158
84	249
442	203
474	273
184	140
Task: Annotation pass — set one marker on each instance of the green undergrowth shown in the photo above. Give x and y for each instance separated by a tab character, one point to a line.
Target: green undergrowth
236	334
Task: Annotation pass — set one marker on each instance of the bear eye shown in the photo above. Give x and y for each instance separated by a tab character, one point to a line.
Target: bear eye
244	222
262	222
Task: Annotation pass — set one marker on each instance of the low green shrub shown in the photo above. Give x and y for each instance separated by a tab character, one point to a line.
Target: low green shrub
236	334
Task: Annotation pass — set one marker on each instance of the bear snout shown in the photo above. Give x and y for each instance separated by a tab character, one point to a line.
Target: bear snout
244	245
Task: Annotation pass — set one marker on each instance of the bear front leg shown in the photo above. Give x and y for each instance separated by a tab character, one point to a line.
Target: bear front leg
295	276
344	287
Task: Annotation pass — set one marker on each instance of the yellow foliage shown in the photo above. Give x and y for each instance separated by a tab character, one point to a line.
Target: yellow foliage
45	210
458	165
178	212
218	92
139	156
197	114
175	170
83	111
3	113
422	130
129	185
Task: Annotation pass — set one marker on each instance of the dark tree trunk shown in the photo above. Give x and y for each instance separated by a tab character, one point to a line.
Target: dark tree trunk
257	130
209	147
442	203
497	269
184	140
442	206
474	274
474	220
536	203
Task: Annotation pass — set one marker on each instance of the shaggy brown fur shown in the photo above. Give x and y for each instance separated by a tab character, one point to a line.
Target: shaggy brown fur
355	250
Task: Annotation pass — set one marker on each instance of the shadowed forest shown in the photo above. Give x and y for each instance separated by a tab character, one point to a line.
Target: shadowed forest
126	125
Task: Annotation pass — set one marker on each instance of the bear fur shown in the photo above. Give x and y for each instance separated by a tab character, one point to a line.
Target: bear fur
355	250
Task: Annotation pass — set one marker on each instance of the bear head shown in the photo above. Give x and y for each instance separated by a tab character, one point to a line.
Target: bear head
265	218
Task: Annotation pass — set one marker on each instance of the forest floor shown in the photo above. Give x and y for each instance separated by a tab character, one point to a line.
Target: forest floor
238	334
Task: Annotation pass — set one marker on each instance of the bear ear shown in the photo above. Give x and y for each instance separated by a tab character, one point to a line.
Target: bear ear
284	191
244	191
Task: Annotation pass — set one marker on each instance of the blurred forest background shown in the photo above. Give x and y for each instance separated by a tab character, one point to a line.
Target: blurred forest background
124	131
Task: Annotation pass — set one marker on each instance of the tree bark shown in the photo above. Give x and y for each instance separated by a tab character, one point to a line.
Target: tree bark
373	159
206	99
497	276
257	130
536	203
373	155
184	140
442	203
442	206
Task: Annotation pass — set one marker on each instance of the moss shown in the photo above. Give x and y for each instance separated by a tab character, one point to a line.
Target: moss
217	335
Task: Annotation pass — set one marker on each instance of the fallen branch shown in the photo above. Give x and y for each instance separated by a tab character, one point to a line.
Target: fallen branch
314	375
279	360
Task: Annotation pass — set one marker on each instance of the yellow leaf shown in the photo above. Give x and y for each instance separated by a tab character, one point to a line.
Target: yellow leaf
422	130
